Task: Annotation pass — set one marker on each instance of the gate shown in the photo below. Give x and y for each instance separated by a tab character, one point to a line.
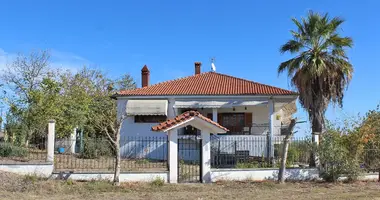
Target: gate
189	159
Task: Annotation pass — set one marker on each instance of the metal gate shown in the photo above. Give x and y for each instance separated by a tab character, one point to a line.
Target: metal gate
189	159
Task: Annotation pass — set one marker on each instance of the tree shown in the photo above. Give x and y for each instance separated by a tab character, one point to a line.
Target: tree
23	77
284	156
321	70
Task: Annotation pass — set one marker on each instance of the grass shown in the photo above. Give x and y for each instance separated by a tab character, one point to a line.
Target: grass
16	187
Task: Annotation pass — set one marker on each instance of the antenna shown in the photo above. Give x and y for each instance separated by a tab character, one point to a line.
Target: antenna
213	68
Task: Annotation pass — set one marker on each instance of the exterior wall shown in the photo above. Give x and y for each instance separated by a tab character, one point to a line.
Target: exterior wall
42	170
262	174
124	177
260	115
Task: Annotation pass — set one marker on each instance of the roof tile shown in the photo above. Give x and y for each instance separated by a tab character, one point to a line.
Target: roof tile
209	83
183	117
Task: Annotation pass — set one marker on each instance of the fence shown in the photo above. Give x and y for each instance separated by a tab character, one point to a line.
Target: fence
253	152
13	151
98	154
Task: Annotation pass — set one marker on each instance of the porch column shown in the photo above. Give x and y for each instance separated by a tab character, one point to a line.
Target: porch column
206	157
215	114
271	128
173	156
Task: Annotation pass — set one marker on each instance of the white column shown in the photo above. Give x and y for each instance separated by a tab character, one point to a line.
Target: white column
171	109
173	156
50	141
271	126
206	157
215	114
73	140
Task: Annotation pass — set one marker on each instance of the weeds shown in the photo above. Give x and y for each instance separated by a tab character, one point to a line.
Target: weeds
157	182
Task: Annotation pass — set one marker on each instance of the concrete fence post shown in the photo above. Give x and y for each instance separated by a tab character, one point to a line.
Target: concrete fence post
50	141
73	141
206	157
173	156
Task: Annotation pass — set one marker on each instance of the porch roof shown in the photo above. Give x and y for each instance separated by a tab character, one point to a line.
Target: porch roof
187	118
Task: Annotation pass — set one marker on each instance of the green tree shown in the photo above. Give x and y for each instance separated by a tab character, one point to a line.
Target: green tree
321	70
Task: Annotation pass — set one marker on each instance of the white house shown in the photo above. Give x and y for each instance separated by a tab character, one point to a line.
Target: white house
248	109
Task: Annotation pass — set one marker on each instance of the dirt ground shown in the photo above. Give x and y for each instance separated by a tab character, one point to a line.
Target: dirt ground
30	187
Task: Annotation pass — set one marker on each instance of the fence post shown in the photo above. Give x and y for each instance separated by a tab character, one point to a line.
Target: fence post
206	157
50	141
73	141
173	156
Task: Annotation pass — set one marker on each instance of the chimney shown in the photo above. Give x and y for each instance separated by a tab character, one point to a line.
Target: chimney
145	76
197	67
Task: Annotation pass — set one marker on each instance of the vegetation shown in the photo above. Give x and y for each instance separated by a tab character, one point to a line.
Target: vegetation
11	150
321	70
36	92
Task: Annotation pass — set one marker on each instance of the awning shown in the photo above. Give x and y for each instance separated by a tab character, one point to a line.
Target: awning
216	104
147	107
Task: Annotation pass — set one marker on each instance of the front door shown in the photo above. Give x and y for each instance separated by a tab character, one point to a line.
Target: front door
189	158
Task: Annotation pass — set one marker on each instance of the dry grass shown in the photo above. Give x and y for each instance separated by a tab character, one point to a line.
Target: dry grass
30	187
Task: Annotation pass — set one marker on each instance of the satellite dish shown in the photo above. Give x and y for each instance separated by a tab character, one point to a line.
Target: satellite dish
213	68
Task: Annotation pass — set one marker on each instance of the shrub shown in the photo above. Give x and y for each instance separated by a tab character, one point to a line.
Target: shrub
10	150
158	182
95	148
246	165
334	153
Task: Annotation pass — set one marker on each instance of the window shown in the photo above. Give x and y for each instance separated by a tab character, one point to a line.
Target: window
233	121
150	118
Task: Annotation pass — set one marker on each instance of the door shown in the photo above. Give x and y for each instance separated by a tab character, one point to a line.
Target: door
189	158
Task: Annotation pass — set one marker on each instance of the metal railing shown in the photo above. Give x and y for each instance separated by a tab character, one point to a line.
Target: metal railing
255	152
13	151
98	154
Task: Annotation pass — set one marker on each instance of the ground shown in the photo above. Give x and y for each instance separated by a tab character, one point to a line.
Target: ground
30	187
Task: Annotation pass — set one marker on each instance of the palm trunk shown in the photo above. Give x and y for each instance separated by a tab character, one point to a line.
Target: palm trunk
317	125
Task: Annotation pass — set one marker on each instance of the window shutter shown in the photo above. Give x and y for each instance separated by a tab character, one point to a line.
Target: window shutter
220	118
248	119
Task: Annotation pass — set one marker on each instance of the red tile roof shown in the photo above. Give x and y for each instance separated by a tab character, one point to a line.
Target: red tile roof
183	117
209	83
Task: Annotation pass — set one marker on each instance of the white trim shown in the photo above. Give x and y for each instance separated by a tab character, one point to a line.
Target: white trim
179	125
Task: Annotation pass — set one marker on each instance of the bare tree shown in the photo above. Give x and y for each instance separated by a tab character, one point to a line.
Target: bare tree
289	135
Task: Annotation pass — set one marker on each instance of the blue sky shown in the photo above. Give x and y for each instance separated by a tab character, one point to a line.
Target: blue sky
244	37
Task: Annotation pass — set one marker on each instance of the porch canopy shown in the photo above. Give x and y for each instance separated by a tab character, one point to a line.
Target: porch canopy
216	104
147	107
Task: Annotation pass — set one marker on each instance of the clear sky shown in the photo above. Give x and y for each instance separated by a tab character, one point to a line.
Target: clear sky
244	37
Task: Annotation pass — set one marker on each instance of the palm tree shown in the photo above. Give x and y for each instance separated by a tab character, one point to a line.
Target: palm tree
321	70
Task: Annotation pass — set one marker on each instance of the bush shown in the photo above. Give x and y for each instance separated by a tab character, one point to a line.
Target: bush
10	150
96	148
334	153
158	182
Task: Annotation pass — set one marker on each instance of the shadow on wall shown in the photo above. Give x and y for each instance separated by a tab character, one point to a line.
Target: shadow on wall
297	174
153	148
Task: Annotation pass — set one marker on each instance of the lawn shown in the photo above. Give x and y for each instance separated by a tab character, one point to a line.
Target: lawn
29	187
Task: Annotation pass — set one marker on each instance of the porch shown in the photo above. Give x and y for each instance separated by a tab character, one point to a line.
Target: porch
241	117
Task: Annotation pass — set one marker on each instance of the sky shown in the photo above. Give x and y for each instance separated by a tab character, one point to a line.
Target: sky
168	36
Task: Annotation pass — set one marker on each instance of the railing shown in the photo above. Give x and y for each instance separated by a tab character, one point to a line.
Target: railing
97	154
255	152
13	151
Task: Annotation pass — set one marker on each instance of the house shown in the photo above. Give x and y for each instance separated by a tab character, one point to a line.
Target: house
246	108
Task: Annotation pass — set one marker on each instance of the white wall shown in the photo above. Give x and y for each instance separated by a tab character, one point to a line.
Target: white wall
42	170
262	174
124	177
